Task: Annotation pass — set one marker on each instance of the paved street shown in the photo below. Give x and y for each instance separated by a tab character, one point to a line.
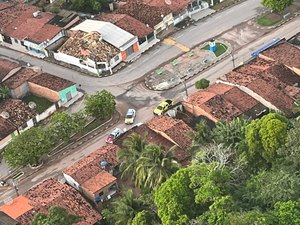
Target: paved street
193	35
128	84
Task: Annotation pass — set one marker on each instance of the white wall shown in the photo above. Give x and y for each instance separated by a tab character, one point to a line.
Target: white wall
72	182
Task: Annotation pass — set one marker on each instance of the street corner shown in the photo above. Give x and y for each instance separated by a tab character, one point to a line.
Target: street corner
187	65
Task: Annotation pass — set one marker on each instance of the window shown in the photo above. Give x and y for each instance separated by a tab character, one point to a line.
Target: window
16	41
7	39
117	58
101	193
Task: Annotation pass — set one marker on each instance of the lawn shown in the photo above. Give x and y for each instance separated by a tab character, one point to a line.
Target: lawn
41	103
269	19
220	48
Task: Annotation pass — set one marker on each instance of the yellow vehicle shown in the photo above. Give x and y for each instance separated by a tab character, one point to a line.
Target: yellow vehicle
163	106
130	116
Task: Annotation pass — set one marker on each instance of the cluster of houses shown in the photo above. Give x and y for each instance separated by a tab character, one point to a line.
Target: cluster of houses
98	44
270	81
17	115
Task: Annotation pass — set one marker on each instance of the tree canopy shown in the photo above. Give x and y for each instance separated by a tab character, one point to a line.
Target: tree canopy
100	105
277	5
89	6
28	147
56	216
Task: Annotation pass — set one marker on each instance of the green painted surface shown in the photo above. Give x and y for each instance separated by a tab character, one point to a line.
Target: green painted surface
64	93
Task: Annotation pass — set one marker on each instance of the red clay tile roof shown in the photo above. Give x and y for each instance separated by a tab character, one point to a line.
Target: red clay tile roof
52	193
274	82
18	22
176	6
89	166
16	207
284	53
175	129
127	23
98	182
5	128
223	101
145	13
19	112
153	138
50	81
20	77
6	66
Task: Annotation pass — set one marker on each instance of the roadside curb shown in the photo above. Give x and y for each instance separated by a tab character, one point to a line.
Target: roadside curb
78	142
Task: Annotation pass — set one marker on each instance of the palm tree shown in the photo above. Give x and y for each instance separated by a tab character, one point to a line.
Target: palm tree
134	145
154	167
126	208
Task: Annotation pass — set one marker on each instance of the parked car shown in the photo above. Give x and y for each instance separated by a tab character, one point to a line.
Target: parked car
130	116
163	106
117	132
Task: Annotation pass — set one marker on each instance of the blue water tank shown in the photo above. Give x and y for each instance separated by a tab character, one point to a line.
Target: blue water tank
103	164
212	45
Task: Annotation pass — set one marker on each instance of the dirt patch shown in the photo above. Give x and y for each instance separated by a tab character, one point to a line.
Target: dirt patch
242	34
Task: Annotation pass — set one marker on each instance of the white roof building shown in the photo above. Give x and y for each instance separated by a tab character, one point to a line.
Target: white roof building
110	33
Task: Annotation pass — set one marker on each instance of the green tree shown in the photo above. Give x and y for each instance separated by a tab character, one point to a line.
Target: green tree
202	133
124	210
142	218
154	167
175	199
56	216
4	92
277	5
230	133
134	145
202	84
254	217
28	147
288	213
266	135
100	105
269	187
89	6
63	125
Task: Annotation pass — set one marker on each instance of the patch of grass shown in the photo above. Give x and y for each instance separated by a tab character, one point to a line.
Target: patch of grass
41	103
268	20
223	4
220	48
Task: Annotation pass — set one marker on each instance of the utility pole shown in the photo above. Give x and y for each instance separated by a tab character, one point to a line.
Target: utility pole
232	58
185	89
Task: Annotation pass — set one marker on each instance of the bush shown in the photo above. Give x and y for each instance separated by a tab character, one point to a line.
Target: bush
201	84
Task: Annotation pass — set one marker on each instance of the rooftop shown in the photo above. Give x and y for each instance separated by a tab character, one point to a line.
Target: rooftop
16	207
273	82
6	219
127	23
5	128
52	193
89	166
153	138
223	101
147	14
110	32
176	6
6	66
84	45
52	82
98	182
18	22
175	129
284	53
23	75
19	112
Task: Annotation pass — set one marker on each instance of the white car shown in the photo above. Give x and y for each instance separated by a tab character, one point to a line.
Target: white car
130	116
117	132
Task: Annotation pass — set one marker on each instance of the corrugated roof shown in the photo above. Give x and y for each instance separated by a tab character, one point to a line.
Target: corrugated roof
110	32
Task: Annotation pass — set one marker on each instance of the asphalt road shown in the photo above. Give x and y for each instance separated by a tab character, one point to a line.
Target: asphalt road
128	85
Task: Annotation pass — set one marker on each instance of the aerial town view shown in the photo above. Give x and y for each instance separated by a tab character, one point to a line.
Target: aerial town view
149	112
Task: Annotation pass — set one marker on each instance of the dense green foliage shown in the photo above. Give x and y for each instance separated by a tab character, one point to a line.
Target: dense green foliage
277	5
100	105
202	84
4	92
89	6
27	148
55	216
242	173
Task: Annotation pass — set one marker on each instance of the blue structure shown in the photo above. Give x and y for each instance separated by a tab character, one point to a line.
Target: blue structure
212	45
270	44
